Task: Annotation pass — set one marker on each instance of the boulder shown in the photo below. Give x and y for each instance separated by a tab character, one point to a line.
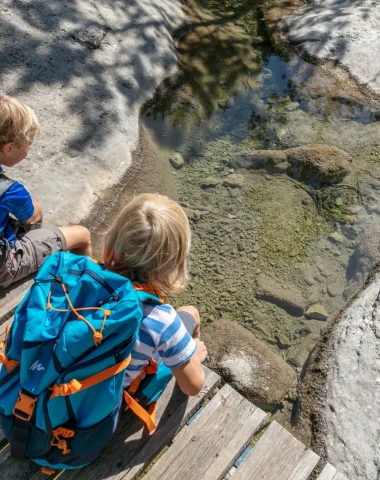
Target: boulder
248	364
289	299
351	398
321	163
176	160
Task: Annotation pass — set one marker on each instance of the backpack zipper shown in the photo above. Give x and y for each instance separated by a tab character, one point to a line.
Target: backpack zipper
97	279
100	357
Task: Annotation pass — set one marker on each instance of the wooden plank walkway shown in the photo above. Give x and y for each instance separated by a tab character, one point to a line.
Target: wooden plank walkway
206	437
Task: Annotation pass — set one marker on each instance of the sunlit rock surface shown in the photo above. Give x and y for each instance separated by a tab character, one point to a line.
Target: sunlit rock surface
352	406
343	30
85	68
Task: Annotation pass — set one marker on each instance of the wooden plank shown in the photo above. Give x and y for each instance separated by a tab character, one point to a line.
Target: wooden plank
305	466
206	413
4	325
5	453
328	473
275	456
122	455
207	448
42	476
12	296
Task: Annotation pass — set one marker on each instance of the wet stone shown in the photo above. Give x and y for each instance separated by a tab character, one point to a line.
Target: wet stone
177	160
234	180
283	342
289	299
317	312
210	182
336	237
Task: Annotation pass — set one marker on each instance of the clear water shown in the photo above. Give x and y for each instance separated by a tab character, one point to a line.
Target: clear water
235	97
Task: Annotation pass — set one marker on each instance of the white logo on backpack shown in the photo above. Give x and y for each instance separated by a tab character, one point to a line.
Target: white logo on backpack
37	366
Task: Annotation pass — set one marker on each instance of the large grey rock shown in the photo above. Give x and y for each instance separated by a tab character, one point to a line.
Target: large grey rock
248	364
343	30
352	406
289	299
86	68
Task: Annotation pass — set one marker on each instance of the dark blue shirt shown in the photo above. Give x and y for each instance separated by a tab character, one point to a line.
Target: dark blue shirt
17	201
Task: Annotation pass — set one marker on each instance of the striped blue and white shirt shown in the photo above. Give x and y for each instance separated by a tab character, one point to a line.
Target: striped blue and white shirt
162	335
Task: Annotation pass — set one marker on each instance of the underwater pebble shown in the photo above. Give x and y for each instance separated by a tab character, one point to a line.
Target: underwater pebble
336	237
317	312
177	160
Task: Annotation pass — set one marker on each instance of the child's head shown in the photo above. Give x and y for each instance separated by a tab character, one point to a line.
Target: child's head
18	128
150	241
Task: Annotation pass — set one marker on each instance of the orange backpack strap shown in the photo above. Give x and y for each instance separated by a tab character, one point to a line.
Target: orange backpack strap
9	364
149	369
75	386
146	416
149	288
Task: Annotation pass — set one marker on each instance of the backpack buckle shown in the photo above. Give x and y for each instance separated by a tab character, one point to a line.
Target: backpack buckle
24	406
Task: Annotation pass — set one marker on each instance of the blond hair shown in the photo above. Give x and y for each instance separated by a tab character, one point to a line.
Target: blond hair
150	241
18	122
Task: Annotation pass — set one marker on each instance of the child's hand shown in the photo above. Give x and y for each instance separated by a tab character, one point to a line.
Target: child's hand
201	353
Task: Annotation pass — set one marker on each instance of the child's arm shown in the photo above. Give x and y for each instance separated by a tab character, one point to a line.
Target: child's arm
37	216
190	375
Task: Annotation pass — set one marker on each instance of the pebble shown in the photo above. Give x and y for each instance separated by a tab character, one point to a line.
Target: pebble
210	182
336	237
176	160
234	180
283	342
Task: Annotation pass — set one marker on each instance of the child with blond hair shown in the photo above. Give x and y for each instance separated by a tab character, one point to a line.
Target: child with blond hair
23	253
150	242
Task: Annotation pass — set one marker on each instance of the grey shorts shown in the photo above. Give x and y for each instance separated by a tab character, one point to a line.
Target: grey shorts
188	320
31	249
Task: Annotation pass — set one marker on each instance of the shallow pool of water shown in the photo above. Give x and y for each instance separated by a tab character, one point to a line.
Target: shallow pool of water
236	95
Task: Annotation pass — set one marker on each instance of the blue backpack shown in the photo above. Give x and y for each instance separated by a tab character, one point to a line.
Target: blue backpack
61	382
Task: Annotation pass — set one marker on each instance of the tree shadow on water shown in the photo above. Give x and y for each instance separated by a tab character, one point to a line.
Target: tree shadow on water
99	57
216	56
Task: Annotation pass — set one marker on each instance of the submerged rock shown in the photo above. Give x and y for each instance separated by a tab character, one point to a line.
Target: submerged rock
320	163
317	312
289	299
248	364
210	182
234	181
364	258
177	160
